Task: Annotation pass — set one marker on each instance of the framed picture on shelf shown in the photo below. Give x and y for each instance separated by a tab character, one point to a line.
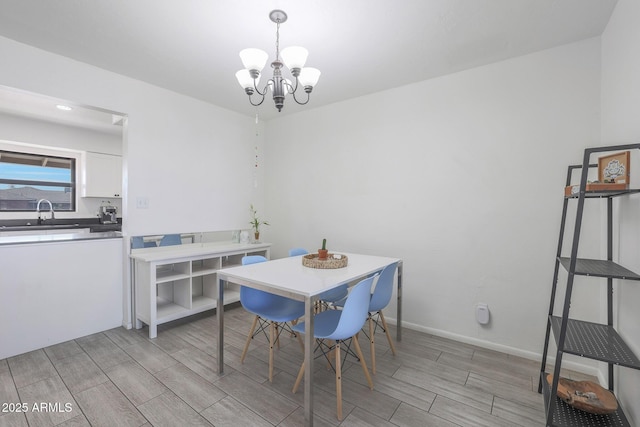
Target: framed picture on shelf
614	169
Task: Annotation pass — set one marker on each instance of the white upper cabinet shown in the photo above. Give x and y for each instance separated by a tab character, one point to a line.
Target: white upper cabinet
101	175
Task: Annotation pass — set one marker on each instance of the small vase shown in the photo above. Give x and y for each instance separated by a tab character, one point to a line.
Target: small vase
257	236
323	253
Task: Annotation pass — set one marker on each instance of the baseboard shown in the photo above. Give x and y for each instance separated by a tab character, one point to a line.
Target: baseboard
568	364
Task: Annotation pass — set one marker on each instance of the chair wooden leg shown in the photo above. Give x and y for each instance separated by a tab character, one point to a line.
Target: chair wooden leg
386	330
246	346
277	335
332	345
338	380
300	342
372	345
298	379
362	361
272	328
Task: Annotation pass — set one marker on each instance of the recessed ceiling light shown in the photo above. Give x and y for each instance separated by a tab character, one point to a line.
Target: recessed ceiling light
63	107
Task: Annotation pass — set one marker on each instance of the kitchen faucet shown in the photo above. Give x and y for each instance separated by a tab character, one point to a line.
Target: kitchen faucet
50	210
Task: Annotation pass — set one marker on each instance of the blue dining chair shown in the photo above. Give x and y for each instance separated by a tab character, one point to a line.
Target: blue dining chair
170	240
338	327
271	311
380	298
331	296
138	242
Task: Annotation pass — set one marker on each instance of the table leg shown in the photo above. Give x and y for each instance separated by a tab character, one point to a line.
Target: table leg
220	317
153	329
399	305
308	361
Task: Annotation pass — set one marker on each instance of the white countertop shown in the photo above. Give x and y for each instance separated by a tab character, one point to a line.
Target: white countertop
163	253
57	238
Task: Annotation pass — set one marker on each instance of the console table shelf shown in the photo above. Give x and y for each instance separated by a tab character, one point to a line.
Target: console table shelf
173	282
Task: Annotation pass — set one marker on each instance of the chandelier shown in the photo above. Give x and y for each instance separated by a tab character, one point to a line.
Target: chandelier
293	57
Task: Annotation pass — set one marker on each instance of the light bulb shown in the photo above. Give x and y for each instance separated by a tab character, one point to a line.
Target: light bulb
253	59
309	76
294	56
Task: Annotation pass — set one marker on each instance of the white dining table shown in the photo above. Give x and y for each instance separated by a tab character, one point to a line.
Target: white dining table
289	278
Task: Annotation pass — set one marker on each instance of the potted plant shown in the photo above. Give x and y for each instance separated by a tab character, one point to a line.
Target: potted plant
256	223
323	253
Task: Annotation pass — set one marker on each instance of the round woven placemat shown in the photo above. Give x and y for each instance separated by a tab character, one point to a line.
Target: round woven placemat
332	261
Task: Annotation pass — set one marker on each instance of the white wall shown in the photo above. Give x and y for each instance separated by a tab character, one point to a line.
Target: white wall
192	160
14	129
620	124
461	176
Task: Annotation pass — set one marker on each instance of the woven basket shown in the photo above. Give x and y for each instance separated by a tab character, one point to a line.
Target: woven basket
332	261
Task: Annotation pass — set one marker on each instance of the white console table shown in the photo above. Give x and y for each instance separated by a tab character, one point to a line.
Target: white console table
172	282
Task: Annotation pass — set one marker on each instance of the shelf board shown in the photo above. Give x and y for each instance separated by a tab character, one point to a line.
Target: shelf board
599	268
168	310
170	276
595	341
567	416
203	272
231	296
231	264
200	302
604	193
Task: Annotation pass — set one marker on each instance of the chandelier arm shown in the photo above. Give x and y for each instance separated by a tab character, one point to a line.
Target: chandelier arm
266	87
294	90
259	103
262	94
301	103
289	86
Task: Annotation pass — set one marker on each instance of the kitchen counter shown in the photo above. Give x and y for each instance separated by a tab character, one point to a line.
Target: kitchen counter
92	224
59	290
57	238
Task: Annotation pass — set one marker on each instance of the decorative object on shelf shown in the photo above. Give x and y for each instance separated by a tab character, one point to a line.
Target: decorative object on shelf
293	57
613	175
323	252
614	169
586	396
256	223
332	261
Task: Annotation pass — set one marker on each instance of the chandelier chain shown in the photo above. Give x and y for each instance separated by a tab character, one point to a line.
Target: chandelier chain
278	40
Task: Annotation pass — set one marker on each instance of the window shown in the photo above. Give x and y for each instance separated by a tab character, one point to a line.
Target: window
26	178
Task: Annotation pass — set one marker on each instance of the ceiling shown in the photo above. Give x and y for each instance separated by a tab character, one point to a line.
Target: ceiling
39	107
361	46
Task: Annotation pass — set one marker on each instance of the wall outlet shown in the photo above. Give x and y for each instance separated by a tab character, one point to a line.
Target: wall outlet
142	203
482	313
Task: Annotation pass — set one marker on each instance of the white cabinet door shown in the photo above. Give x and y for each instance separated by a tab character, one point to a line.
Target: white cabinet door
102	175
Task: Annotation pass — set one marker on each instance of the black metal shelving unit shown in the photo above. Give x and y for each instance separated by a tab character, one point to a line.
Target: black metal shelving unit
586	339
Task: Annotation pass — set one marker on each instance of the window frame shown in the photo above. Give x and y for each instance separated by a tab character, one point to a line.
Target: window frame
35	152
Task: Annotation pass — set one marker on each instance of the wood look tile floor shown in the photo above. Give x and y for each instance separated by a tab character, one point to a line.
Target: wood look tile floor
122	378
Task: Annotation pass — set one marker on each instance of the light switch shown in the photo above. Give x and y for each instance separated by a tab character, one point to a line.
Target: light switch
142	203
